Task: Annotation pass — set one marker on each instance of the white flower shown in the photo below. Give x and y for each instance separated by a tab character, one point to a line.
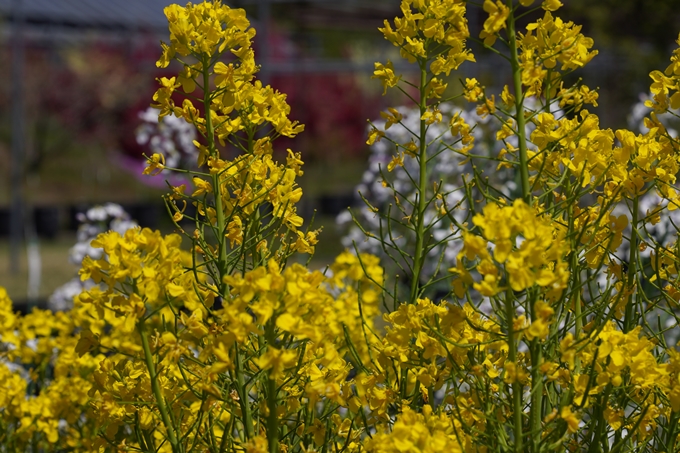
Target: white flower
94	221
172	137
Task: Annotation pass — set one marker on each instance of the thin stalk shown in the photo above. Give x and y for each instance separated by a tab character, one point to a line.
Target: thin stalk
516	386
517	390
210	137
536	412
632	261
422	189
672	427
519	105
578	316
272	417
155	387
243	397
574	270
596	440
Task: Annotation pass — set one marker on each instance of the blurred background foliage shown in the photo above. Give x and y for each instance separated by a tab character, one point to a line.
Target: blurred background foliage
85	84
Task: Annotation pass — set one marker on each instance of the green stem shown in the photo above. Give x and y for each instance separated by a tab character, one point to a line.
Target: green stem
519	105
222	258
578	328
628	319
596	441
517	389
158	394
272	417
673	426
422	189
576	274
243	396
210	136
536	413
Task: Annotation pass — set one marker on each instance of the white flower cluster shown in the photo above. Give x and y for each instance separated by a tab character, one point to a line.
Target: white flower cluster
172	137
96	220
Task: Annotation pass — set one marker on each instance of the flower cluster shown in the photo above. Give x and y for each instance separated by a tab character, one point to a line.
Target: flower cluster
141	270
425	432
432	24
665	88
549	42
545	334
44	399
531	250
205	31
251	189
170	136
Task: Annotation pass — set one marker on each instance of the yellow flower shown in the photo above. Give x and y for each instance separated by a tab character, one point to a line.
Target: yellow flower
459	127
568	350
614	417
394	37
385	73
163	96
413	48
155	163
166	56
257	444
498	14
435	88
397	161
551	5
235	231
432	116
489	286
374	136
277	361
571	418
202	186
473	90
391	118
513	373
507	98
474	246
424	432
538	260
537	329
488	107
